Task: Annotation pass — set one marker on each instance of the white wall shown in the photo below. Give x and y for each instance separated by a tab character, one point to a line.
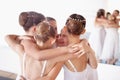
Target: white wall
59	9
113	4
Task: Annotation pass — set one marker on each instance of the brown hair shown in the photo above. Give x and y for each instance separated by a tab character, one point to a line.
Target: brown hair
29	19
75	24
117	11
44	31
50	19
107	14
100	12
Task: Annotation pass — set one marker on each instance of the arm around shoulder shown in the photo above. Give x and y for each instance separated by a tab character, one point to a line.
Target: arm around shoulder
92	61
32	49
55	71
15	43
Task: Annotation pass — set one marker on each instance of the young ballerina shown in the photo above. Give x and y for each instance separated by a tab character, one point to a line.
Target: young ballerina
78	68
41	70
97	36
62	40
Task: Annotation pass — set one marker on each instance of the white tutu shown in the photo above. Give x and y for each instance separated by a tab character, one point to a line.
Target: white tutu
92	74
111	44
96	40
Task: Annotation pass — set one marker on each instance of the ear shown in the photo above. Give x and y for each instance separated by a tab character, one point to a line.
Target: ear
83	31
40	43
33	29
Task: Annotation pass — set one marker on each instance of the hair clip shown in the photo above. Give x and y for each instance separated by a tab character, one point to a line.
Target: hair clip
76	19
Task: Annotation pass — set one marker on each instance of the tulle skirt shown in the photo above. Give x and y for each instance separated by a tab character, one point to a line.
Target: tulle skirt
96	40
111	44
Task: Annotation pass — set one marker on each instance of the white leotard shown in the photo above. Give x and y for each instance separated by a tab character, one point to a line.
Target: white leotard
92	74
69	75
87	74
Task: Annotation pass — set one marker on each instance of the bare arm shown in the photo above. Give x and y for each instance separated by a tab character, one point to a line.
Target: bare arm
86	49
14	42
100	21
112	25
55	71
64	57
92	61
33	50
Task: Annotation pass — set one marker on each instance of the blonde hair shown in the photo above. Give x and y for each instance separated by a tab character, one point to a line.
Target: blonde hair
44	31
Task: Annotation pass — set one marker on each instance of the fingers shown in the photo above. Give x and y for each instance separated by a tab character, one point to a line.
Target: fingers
75	49
70	45
79	53
22	78
74	46
79	50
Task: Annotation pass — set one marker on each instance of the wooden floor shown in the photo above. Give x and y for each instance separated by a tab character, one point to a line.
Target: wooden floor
7	75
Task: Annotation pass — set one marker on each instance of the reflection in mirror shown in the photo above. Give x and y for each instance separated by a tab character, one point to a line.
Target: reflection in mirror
105	46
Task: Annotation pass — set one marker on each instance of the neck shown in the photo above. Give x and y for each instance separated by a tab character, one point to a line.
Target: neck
74	39
29	33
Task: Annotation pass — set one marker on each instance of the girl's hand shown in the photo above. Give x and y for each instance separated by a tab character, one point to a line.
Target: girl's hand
83	48
72	48
22	78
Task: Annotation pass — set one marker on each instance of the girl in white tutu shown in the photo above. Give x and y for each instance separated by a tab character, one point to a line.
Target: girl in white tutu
97	37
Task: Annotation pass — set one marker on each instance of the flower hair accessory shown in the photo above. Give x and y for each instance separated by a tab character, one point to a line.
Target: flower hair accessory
76	19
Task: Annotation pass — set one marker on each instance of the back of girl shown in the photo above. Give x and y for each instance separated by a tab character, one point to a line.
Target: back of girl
38	70
76	69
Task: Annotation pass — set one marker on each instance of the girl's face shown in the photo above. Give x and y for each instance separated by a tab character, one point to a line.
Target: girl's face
62	39
115	13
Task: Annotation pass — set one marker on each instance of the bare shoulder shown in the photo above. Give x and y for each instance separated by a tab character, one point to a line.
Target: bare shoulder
84	41
27	42
29	45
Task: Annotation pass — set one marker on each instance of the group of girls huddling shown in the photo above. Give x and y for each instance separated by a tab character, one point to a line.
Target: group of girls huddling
43	52
104	39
